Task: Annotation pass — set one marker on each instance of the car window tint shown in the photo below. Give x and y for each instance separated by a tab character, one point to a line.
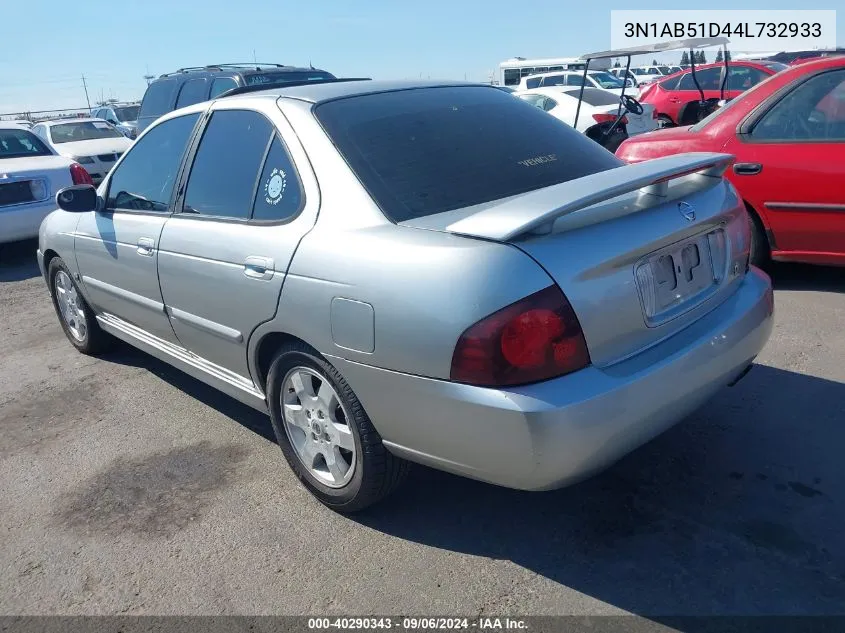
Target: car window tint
597	97
708	79
549	103
279	194
227	164
144	180
554	80
671	83
535	100
20	143
813	111
83	131
425	151
744	77
193	91
221	85
158	98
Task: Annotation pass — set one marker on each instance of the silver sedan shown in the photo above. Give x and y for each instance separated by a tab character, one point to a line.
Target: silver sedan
416	272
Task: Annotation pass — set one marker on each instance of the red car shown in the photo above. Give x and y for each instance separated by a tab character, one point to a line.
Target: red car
788	138
669	96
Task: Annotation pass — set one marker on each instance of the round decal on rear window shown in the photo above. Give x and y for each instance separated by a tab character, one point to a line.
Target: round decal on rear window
274	188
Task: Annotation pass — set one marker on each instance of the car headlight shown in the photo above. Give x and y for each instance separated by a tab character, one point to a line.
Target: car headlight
84	160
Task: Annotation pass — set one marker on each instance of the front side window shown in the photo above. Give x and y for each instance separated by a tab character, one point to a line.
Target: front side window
744	77
84	131
425	151
21	143
194	91
144	180
554	80
227	164
813	111
534	82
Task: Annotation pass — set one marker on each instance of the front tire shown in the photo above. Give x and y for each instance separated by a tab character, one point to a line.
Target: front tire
75	315
663	122
325	435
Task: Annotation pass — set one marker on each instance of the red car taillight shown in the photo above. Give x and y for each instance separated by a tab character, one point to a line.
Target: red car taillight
531	340
608	118
79	175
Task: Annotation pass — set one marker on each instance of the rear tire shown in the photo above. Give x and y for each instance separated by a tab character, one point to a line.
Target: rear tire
761	254
368	472
75	315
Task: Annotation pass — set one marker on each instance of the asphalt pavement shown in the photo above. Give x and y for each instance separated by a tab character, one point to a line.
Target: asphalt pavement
127	487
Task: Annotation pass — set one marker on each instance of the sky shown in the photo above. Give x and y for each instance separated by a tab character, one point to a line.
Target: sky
114	44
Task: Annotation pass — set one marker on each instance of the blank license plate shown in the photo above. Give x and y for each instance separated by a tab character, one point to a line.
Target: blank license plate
674	278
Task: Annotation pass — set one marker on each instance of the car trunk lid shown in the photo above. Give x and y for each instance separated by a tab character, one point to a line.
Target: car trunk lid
640	251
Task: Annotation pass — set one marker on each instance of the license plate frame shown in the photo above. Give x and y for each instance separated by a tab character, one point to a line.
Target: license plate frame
675	279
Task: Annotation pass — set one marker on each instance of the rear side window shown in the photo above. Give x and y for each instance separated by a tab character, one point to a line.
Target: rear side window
744	77
426	151
227	164
158	98
193	91
20	143
279	195
221	85
144	180
708	79
533	82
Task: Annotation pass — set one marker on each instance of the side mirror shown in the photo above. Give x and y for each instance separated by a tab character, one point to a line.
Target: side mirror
77	199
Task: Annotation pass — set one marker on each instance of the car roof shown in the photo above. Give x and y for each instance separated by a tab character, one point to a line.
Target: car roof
12	125
71	120
234	69
328	91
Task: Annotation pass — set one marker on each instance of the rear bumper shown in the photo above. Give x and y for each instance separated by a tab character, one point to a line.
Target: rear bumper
557	432
22	222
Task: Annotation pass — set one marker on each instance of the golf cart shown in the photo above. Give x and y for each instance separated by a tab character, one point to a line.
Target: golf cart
692	112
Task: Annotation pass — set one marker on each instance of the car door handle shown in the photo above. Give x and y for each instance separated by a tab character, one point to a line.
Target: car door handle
146	246
258	267
747	169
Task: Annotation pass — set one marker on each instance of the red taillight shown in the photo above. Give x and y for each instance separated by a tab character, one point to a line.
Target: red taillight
79	175
608	118
531	340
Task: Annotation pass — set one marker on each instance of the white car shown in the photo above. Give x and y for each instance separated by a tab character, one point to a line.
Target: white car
30	175
599	109
600	79
640	75
93	143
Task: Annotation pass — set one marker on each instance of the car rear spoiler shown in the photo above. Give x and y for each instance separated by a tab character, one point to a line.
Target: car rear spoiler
532	211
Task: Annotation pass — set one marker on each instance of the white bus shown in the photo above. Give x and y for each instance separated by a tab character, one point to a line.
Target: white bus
514	69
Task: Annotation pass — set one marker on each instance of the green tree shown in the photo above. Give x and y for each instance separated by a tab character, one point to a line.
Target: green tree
702	58
685	59
654	62
719	57
616	64
727	55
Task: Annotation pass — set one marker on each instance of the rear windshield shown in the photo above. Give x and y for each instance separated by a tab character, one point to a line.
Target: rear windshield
595	96
127	113
277	78
85	131
20	143
430	150
776	66
158	98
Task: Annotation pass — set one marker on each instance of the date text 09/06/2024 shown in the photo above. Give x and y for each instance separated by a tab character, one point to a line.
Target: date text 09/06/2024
685	30
417	623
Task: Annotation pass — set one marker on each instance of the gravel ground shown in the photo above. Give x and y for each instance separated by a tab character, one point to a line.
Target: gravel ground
127	487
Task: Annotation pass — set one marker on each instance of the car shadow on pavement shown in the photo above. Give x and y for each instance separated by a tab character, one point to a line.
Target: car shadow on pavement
18	262
738	510
247	417
807	277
